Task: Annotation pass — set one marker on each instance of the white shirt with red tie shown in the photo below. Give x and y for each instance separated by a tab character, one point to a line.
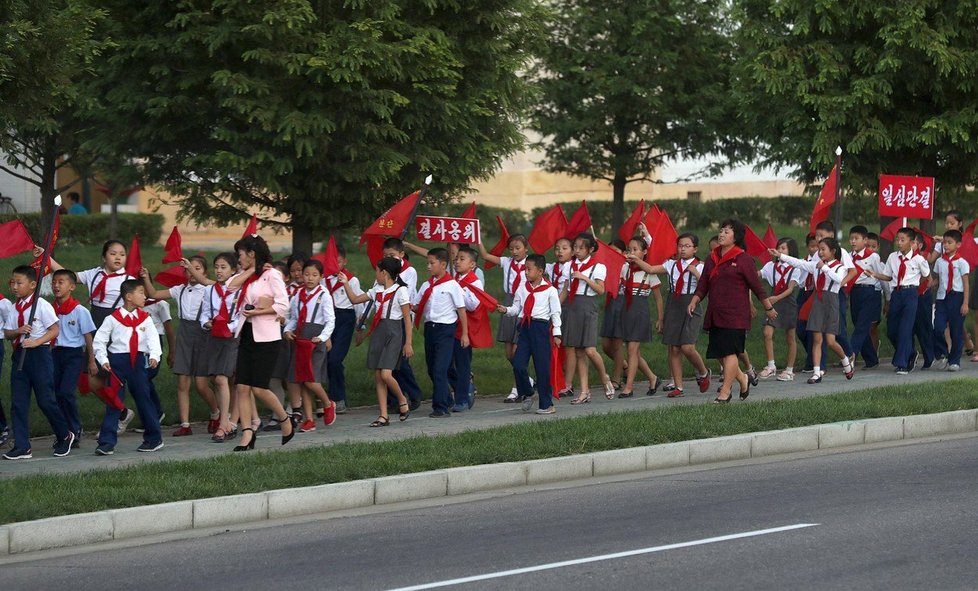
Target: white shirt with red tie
113	337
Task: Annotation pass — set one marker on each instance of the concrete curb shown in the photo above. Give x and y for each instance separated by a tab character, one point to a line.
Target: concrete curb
135	522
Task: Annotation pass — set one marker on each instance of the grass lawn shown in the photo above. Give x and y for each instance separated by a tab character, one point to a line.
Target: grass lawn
96	490
492	371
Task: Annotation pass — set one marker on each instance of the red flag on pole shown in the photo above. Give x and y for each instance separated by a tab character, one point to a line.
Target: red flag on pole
134	258
770	238
969	248
613	261
393	221
252	229
500	246
651	219
627	230
15	239
824	202
557	356
470	213
889	232
755	246
173	251
579	222
36	263
664	238
171	276
330	258
547	229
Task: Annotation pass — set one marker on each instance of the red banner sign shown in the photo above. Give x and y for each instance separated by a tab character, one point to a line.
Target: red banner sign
438	229
907	196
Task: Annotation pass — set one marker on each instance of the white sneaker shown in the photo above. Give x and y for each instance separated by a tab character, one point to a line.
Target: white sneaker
954	367
124	420
786	376
940	363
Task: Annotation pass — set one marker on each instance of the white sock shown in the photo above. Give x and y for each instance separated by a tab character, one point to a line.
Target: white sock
817	370
184	424
771	364
215	414
845	363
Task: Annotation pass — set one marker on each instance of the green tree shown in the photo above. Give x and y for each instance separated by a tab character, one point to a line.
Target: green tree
47	49
893	82
320	113
628	85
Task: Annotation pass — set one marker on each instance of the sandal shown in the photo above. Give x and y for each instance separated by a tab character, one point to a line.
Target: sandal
402	416
381	421
219	436
582	400
625	394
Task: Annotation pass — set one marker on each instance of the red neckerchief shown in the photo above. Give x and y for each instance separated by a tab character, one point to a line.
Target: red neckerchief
219	324
733	253
332	286
432	284
859	270
99	290
292	289
680	282
22	306
131	321
382	298
902	270
578	268
950	270
244	290
630	285
518	269
531	299
782	270
558	272
820	282
304	299
405	265
810	278
65	308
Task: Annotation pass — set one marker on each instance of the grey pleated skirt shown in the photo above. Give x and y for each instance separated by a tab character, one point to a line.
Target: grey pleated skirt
787	310
310	331
635	323
580	322
506	332
824	315
190	353
611	327
222	356
678	327
386	342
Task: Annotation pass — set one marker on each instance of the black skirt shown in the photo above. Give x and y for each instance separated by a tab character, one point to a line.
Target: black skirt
725	342
255	360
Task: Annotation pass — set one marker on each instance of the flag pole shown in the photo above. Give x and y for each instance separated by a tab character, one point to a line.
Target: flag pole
414	211
45	259
838	193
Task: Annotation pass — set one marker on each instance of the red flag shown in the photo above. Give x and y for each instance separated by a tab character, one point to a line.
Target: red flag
329	258
109	393
480	329
469	212
500	246
375	249
15	239
770	239
928	239
579	222
548	227
173	251
393	221
968	248
627	230
664	238
756	247
36	263
824	202
303	361
171	276
651	219
557	356
889	232
613	261
134	259
252	229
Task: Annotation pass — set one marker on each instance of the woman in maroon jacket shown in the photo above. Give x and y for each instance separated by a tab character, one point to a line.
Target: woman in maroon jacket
728	277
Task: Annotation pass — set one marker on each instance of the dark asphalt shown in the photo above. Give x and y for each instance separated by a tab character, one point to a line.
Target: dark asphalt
890	518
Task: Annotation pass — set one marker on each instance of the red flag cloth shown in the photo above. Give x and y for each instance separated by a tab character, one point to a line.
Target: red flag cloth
109	394
928	239
770	239
889	232
173	251
547	229
480	329
579	222
36	263
134	258
375	249
303	361
470	213
171	276
500	246
627	230
664	238
557	355
393	221
15	239
806	309
330	258
755	246
969	249
252	229
825	200
613	261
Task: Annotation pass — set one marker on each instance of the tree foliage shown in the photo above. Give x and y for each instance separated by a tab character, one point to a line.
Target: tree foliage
628	85
320	113
893	82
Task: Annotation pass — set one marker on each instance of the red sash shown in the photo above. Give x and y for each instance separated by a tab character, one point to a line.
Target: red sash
62	310
859	270
780	284
576	268
820	282
531	299
332	286
419	313
680	281
732	254
132	322
303	361
630	285
950	271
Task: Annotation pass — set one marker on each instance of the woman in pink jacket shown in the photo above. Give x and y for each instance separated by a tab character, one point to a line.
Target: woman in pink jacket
263	301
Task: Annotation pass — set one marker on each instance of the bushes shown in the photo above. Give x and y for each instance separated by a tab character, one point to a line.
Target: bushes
94	228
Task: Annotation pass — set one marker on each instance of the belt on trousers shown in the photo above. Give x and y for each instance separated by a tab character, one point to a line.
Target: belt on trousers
900	287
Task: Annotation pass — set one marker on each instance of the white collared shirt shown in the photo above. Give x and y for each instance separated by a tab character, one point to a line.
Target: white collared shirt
558	282
319	310
689	280
92	277
546	305
212	307
916	267
341	301
189	299
645	282
44	317
471	302
870	263
113	337
792	275
596	273
160	313
442	307
961	270
509	275
392	308
834	274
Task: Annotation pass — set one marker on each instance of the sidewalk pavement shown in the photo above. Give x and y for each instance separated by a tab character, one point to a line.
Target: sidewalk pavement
487	412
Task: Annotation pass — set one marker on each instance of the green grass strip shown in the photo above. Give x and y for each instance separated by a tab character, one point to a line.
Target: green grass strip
35	497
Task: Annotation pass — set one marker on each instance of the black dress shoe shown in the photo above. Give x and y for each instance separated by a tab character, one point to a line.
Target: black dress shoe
415	405
439	415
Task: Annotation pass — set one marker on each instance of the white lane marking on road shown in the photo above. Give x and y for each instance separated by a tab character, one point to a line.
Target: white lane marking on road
576	561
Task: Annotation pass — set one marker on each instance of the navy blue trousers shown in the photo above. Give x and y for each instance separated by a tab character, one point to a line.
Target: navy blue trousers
865	306
533	341
3	415
136	380
923	327
460	374
947	313
37	375
69	362
439	346
342	337
899	324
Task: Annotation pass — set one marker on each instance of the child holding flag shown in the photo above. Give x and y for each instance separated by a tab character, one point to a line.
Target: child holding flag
635	325
103	283
783	279
73	351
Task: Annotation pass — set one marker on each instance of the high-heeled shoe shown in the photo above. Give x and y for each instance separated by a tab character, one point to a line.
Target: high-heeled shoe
250	445
719	400
288	438
403	415
745	393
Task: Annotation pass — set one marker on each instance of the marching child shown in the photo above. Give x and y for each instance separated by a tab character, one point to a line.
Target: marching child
102	282
32	344
73	352
403	372
128	345
823	319
190	351
873	245
346	320
635	324
864	295
219	318
952	302
783	279
537	305
611	334
440	304
477	322
805	291
923	327
559	270
390	334
904	269
159	312
310	327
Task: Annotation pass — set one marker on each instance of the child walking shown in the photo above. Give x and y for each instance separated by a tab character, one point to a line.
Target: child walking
783	279
73	352
952	302
864	296
103	283
635	323
219	319
611	327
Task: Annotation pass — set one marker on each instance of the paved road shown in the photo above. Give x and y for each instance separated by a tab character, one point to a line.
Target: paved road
488	412
887	518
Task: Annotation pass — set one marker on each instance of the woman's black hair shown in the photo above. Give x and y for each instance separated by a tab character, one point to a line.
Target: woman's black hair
589	241
792	246
833	245
108	244
739	231
257	245
393	268
228	257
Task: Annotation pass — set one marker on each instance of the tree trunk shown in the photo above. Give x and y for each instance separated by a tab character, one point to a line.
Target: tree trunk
617	203
301	237
48	170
